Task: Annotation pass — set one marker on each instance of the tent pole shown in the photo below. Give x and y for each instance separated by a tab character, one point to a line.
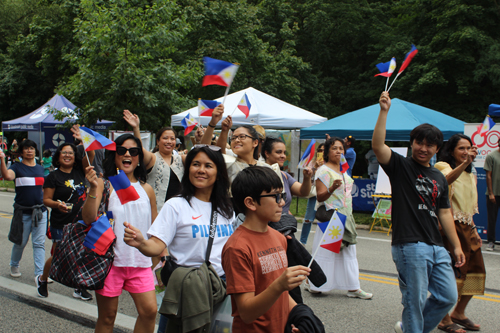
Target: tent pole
40	151
298	175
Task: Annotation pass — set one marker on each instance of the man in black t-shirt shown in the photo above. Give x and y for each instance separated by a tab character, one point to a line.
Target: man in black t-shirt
419	199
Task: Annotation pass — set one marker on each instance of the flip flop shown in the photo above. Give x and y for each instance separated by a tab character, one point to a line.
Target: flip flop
451	328
467	323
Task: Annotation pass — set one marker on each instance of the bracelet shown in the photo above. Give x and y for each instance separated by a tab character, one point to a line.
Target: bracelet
328	190
211	125
92	196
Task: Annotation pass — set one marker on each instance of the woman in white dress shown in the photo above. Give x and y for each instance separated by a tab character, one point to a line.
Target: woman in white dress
334	192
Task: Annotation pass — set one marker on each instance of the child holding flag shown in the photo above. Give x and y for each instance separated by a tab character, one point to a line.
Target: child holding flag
333	187
131	270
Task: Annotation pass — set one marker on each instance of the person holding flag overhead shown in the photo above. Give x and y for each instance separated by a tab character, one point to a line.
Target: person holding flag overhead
334	187
131	270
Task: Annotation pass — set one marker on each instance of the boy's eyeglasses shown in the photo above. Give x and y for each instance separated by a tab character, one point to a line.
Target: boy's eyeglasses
211	147
277	196
241	137
134	151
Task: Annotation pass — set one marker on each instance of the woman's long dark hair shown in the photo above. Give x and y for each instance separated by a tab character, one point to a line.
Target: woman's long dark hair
255	136
109	166
57	154
446	154
329	143
220	193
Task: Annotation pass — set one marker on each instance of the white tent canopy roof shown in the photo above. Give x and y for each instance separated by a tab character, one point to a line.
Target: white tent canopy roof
266	111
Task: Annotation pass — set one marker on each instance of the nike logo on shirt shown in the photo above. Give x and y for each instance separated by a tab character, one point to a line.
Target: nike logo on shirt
194	218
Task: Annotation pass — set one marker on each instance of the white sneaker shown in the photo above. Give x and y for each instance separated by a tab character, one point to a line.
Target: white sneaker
398	328
359	294
307	287
14	272
491	246
49	280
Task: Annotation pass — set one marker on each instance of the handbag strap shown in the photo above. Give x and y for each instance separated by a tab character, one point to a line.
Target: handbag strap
213	224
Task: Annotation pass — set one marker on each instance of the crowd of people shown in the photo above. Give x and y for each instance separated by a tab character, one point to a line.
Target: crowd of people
220	212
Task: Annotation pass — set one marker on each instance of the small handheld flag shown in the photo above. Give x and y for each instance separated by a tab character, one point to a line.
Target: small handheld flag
189	124
408	58
333	233
344	166
487	125
308	155
218	72
124	189
93	140
244	105
100	236
205	108
386	68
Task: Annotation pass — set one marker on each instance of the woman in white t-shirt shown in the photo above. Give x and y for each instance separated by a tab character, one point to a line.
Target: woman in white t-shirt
183	224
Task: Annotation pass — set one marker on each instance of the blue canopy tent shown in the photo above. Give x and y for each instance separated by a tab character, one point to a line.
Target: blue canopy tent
41	120
403	117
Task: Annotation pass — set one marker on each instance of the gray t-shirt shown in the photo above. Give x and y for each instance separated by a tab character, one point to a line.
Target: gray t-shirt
288	181
492	163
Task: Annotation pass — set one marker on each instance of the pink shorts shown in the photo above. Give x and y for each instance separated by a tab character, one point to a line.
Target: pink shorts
132	279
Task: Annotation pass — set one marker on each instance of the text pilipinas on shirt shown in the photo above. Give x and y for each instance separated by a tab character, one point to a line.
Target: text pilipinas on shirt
272	259
203	230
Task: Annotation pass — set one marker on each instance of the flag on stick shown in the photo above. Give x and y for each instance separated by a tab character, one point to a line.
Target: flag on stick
244	105
205	108
408	58
386	68
100	236
308	155
344	166
124	189
93	140
218	72
189	124
333	232
487	125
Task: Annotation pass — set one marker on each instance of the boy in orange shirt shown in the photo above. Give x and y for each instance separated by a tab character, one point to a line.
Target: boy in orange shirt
254	257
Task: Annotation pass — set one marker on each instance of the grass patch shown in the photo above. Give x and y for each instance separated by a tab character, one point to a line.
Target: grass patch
7	183
300	211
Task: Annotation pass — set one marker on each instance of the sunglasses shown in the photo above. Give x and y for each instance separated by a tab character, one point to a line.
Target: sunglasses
277	196
211	147
134	151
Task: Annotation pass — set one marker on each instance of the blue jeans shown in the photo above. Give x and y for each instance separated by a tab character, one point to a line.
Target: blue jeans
37	239
308	219
421	268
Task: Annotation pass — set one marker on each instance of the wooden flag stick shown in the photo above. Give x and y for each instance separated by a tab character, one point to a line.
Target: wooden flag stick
386	83
88	160
394	81
227	92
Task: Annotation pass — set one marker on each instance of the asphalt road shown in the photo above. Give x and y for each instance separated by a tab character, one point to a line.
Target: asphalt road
21	310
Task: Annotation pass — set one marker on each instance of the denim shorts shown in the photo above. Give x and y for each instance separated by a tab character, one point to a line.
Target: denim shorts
56	234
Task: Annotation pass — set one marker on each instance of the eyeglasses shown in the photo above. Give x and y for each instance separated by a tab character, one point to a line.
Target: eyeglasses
277	196
67	153
134	151
241	137
211	147
320	150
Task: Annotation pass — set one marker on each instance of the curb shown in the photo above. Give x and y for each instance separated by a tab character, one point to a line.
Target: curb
6	189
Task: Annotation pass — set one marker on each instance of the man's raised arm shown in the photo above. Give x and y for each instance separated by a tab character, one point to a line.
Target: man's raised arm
382	151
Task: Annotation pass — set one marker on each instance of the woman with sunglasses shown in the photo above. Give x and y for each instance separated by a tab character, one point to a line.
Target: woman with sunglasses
131	270
311	202
65	192
165	167
183	223
334	192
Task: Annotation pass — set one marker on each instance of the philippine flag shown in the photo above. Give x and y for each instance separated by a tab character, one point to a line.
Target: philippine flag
487	125
308	155
344	166
333	232
124	189
408	58
100	236
93	140
386	68
244	105
189	123
218	72
205	108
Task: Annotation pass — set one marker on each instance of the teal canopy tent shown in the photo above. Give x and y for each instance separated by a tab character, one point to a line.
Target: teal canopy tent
403	117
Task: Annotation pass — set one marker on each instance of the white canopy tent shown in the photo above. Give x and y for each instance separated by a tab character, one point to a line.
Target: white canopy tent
266	111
